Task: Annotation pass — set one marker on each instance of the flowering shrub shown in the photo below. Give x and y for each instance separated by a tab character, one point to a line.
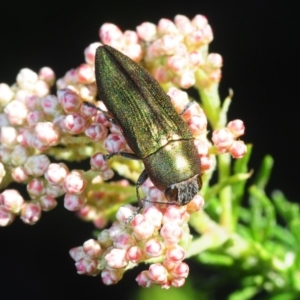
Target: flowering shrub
42	132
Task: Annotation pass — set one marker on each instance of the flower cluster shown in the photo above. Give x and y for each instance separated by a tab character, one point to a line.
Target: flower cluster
39	130
152	236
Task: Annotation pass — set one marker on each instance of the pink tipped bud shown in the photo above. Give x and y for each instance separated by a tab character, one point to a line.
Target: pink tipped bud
124	241
34	117
142	228
223	139
166	26
146	31
74	182
111	276
174	214
26	79
153	215
85	74
206	162
74	123
124	213
238	149
158	273
110	34
143	279
197	124
36	165
16	112
181	270
92	248
69	100
51	106
87	266
19	174
47	202
196	204
98	162
116	258
30	213
77	253
114	143
135	254
175	254
89	53
35	188
153	248
47	133
171	233
74	202
11	200
56	173
179	99
96	132
237	127
47	74
6	217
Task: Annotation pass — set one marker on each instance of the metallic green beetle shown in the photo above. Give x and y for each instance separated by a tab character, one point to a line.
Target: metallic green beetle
152	128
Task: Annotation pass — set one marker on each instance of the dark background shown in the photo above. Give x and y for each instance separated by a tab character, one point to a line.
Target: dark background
257	40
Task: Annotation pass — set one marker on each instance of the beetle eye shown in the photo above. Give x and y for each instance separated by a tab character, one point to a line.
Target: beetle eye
171	193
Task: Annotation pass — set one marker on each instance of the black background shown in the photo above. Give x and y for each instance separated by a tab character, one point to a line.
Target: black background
258	41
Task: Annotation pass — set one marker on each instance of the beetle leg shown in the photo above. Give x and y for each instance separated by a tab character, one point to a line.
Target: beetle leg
142	178
124	154
106	114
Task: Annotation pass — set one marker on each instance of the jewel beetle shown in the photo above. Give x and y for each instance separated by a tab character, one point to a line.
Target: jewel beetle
155	132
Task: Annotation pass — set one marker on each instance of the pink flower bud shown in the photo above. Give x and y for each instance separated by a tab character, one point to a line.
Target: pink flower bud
197	124
111	276
47	74
74	123
54	190
11	200
96	132
158	273
174	214
104	238
90	52
238	149
98	162
124	241
30	213
135	254
87	266
114	143
74	202
124	213
35	188
180	271
237	127
196	204
223	139
153	215
166	26
175	254
116	258
85	73
69	100
143	279
77	253
183	24
206	163
179	99
142	228
34	117
171	232
146	31
19	174
26	79
92	248
88	111
47	202
153	248
178	282
74	182
47	133
8	136
41	88
56	173
51	106
36	165
110	34
6	217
